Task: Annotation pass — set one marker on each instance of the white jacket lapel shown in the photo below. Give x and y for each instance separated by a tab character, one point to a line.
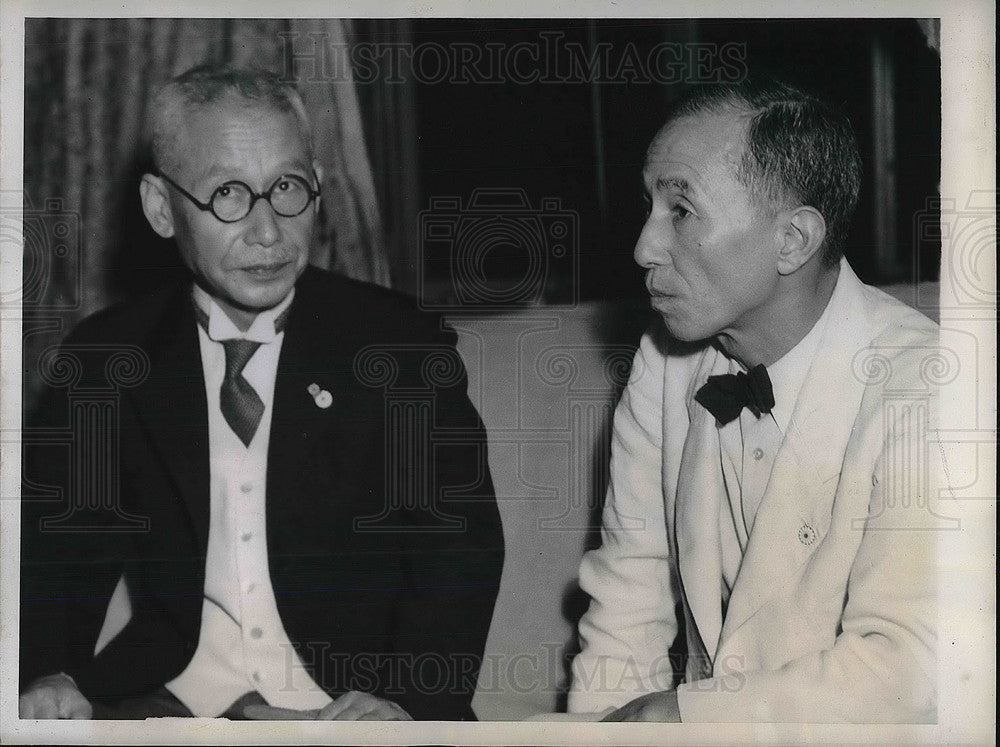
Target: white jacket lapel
700	492
794	514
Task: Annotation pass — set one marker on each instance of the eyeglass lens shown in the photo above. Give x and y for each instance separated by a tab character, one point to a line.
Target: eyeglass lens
289	196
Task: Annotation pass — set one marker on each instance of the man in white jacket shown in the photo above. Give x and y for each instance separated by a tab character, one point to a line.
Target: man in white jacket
769	478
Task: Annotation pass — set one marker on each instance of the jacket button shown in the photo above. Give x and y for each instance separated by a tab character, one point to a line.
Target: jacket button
807	535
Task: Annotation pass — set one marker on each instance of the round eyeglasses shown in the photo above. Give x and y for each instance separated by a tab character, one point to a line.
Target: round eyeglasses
289	196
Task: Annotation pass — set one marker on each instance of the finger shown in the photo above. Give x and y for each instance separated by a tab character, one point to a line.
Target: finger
377	710
38	704
262	712
26	707
72	704
80	708
351	713
333	710
387	713
393	712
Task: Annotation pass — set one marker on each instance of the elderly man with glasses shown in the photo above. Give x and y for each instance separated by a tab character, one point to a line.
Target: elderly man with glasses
314	548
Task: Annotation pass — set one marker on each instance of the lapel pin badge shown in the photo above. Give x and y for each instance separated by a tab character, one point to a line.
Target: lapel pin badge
321	397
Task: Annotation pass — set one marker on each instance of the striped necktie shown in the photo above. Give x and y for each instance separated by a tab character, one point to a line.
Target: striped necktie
239	402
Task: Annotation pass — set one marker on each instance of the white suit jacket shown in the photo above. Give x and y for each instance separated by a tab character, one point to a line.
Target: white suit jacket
832	616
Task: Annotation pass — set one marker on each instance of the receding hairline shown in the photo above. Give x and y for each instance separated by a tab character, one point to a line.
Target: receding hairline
735	112
799	148
736	117
740	114
173	104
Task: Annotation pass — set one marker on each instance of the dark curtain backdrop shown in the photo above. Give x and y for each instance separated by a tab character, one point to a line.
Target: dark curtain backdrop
392	143
87	86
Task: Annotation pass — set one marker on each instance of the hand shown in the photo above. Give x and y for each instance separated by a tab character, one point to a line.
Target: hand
352	706
660	707
358	706
54	696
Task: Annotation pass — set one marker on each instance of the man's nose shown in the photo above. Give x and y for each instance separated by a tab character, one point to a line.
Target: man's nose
263	226
649	249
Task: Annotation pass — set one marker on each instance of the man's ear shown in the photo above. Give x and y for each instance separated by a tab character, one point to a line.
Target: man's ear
318	169
803	234
156	205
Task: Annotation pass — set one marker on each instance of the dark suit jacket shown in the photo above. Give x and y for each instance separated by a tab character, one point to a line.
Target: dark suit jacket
384	540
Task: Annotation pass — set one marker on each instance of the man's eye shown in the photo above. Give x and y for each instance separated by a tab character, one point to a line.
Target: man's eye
224	191
291	184
680	212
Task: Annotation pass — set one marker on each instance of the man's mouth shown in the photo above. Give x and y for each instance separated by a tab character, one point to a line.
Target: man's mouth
652	290
266	269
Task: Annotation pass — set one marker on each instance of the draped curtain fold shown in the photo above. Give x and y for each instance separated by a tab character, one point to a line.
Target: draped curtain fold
88	83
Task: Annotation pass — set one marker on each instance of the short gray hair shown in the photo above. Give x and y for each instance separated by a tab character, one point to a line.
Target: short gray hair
799	149
209	84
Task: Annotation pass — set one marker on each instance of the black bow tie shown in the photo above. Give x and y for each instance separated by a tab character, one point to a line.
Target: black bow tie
725	396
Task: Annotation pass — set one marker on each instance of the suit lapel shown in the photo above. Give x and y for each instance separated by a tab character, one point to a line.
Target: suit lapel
173	406
700	491
313	359
794	513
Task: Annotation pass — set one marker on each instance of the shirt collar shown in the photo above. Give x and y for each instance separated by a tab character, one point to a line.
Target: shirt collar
788	373
221	327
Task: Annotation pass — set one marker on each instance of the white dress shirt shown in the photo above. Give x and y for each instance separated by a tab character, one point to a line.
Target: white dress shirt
242	645
749	444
